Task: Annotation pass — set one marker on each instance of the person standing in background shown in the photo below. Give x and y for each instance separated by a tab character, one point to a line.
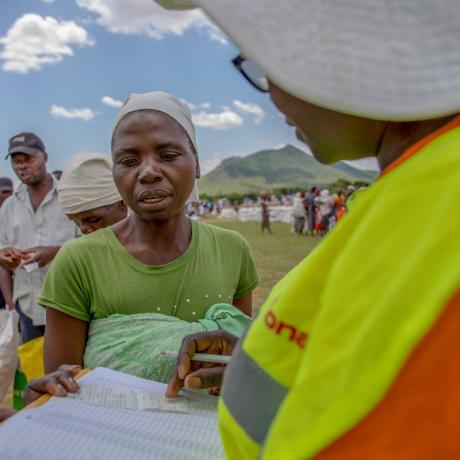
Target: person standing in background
310	209
265	225
298	213
32	229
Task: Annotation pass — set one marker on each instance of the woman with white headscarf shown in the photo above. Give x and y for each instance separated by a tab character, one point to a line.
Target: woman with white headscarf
88	195
355	353
119	296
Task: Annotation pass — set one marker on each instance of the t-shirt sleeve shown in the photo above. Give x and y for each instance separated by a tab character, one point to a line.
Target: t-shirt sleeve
249	278
64	289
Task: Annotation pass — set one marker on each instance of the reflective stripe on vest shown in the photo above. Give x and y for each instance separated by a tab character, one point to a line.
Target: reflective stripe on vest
254	402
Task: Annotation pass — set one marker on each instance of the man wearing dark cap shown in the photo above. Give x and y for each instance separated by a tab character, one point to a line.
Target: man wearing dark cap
32	229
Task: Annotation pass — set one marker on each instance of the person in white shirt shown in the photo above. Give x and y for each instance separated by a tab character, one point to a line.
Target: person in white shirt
32	229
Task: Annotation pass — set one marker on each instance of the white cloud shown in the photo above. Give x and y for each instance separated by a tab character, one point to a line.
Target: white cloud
48	1
81	113
146	17
222	120
250	108
110	101
203	105
34	41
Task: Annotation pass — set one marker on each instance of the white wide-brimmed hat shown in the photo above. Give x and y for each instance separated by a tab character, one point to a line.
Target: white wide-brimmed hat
381	59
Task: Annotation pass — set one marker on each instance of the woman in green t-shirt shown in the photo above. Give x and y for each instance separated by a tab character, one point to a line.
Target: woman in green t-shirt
156	262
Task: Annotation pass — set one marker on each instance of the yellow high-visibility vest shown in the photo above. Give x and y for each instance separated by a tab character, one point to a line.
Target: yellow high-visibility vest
335	332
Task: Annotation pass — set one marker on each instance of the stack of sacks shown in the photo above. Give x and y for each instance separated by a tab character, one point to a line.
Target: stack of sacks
228	213
277	214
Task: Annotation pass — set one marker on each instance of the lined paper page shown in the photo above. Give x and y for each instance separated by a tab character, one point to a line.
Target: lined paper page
104	393
65	428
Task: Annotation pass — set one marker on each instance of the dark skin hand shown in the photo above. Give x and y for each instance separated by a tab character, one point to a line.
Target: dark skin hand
58	383
11	258
43	255
195	375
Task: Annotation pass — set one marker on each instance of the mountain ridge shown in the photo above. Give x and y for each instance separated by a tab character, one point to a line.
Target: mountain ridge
267	170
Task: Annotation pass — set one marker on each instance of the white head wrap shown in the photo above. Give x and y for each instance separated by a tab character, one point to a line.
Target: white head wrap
162	102
87	183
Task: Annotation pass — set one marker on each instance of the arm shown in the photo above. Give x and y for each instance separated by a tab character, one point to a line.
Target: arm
248	280
244	304
10	258
43	255
65	340
6	286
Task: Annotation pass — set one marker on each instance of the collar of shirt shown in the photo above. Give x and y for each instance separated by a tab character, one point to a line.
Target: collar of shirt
415	148
23	194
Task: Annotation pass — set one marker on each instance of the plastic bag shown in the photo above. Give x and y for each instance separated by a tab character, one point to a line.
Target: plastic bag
9	342
31	358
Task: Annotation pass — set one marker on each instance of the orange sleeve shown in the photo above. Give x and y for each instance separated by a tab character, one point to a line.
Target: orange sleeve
419	417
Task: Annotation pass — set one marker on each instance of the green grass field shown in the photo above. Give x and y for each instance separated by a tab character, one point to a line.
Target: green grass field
274	254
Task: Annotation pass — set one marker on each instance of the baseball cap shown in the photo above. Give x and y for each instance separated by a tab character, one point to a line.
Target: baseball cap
28	143
6	182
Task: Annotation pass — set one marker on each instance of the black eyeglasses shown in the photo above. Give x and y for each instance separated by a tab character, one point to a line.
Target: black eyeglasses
251	73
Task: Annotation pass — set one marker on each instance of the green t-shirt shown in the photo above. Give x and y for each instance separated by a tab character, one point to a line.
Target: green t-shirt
95	276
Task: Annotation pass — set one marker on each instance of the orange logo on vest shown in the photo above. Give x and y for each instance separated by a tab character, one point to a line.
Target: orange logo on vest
294	335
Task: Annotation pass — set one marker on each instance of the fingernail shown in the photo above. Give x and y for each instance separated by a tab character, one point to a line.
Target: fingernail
193	383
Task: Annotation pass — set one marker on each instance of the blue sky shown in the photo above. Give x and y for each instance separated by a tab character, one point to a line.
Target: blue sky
67	64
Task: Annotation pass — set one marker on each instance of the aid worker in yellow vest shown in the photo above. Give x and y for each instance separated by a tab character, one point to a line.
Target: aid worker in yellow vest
356	352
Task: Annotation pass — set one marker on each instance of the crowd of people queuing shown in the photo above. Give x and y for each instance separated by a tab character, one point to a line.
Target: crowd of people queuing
313	213
354	353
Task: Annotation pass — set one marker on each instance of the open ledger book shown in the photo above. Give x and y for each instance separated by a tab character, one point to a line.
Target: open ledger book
69	428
